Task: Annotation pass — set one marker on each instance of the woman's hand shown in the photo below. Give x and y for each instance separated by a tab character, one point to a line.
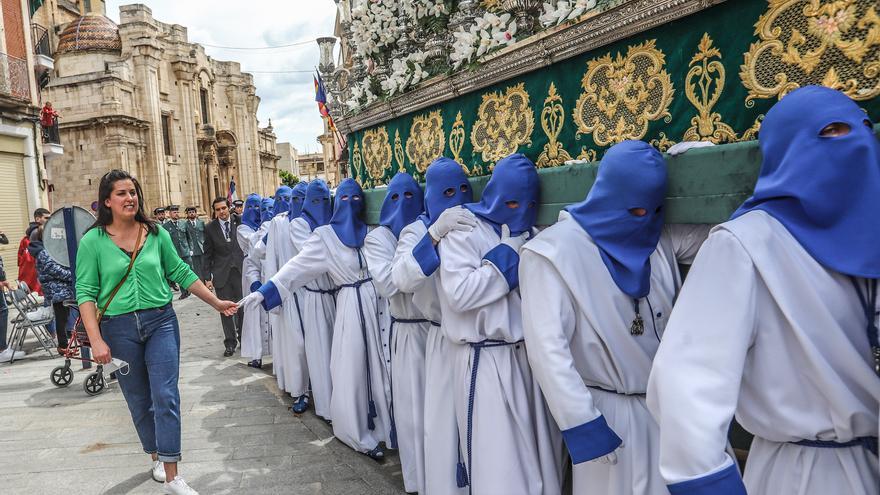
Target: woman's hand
100	351
228	308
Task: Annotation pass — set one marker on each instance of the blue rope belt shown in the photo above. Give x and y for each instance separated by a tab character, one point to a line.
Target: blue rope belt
332	292
477	347
371	406
299	315
626	394
394	321
869	443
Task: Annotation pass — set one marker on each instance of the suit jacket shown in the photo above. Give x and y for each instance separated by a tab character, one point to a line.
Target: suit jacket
179	237
221	256
196	235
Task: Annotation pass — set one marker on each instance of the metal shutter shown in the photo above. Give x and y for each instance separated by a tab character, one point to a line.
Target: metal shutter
13	209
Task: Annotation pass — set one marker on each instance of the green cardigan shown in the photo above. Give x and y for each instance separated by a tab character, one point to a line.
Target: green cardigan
100	265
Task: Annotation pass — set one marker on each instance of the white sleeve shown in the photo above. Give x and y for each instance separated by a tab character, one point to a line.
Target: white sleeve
406	272
695	380
270	261
549	321
243	236
307	265
254	262
686	240
299	235
467	281
379	255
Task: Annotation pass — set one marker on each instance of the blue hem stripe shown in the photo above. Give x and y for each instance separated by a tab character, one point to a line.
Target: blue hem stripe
426	255
590	440
724	482
271	297
507	261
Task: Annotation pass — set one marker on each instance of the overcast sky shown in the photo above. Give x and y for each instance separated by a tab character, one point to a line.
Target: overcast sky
287	99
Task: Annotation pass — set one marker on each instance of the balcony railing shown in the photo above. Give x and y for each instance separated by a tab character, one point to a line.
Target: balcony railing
14	80
40	35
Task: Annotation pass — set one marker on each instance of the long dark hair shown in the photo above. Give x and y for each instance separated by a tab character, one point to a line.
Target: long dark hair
105	189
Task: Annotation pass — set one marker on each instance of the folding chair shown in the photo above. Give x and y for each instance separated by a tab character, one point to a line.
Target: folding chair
28	319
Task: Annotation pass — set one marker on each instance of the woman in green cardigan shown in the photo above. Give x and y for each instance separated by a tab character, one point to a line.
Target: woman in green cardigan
139	325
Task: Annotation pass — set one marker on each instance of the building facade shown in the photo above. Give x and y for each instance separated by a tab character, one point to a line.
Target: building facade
289	158
22	165
312	166
139	96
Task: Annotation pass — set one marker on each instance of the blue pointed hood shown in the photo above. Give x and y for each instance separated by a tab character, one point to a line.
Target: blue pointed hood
267	209
824	190
250	214
317	209
347	219
282	199
446	185
632	174
297	197
403	203
514	178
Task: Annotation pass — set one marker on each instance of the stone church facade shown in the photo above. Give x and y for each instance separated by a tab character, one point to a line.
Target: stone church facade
141	97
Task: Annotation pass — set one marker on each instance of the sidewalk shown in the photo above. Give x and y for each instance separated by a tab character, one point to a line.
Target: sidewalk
238	436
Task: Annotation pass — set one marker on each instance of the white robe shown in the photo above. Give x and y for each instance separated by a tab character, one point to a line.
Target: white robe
514	449
761	329
288	341
318	305
577	329
441	442
407	347
255	323
325	253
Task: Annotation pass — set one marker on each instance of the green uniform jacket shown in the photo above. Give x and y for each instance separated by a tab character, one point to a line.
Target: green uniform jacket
179	237
196	236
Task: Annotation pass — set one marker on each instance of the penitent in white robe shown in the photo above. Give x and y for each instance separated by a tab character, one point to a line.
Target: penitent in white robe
356	365
513	446
407	335
592	370
318	306
414	271
764	331
288	342
255	323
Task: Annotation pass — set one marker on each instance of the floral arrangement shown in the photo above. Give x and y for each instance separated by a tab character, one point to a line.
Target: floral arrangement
405	73
488	33
555	13
375	25
430	14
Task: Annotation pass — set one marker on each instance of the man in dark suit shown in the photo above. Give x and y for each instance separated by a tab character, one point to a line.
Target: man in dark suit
221	262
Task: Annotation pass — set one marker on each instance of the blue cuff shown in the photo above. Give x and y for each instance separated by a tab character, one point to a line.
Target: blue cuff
507	261
724	482
255	286
271	297
590	440
426	255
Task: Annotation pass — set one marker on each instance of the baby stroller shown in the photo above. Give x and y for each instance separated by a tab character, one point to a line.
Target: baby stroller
62	376
32	317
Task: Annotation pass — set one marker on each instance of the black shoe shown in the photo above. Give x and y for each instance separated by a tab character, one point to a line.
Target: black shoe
256	363
183	295
228	353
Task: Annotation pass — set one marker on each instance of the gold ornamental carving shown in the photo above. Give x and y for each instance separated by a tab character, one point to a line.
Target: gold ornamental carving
662	143
588	155
456	138
623	95
832	43
704	84
398	152
505	122
376	152
552	120
357	160
427	140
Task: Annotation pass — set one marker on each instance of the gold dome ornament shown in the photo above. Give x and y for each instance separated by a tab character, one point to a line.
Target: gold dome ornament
90	33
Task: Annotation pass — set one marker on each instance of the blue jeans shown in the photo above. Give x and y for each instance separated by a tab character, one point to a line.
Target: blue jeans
149	341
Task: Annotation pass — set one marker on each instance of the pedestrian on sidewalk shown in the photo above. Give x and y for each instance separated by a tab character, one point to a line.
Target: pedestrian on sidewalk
222	267
121	267
4	310
57	283
27	265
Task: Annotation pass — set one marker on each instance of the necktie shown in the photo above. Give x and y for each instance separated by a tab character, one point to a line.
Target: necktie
226	230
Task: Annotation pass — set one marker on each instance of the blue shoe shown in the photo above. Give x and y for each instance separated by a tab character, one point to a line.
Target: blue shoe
301	404
256	363
377	454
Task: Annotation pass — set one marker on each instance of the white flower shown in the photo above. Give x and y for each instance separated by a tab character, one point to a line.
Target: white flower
557	12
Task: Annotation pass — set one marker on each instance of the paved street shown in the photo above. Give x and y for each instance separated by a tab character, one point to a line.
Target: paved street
238	436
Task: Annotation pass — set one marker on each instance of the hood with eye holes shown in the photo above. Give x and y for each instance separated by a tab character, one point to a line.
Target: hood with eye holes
347	219
514	179
317	209
824	190
403	203
444	173
297	196
632	175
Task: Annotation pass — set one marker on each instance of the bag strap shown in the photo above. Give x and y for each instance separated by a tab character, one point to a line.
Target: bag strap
134	255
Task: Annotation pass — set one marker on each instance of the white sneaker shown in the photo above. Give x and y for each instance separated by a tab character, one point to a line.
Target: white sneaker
7	355
159	471
178	487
